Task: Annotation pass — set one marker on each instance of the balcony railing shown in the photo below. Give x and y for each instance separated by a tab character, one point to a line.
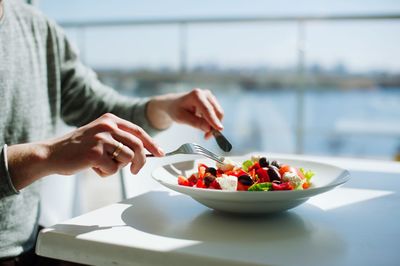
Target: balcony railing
184	26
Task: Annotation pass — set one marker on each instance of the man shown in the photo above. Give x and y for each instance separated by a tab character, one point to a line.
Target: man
42	80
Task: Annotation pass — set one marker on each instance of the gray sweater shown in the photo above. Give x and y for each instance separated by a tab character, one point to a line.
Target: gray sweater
41	81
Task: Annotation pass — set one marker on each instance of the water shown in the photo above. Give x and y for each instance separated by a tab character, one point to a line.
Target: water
358	123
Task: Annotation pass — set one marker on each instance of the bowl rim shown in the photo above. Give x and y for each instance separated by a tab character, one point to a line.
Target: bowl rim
339	180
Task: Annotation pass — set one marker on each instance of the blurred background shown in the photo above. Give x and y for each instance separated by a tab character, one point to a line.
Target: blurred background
309	77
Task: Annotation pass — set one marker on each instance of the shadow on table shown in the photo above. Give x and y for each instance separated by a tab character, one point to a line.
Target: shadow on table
76	230
179	216
192	221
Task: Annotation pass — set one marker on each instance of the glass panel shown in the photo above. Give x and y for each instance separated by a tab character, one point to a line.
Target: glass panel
350	79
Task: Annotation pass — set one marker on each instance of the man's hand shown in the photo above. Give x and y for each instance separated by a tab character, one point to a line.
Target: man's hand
96	145
198	108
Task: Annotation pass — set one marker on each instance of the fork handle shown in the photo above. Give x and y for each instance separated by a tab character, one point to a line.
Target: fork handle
149	155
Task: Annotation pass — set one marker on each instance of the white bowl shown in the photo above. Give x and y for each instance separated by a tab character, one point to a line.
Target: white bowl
326	178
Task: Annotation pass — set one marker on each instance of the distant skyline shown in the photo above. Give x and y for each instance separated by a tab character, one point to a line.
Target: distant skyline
361	46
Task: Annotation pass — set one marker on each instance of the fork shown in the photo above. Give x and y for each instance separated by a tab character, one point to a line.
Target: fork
194	148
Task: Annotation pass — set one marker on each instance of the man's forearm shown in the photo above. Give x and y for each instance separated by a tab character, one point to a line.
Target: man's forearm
27	163
157	111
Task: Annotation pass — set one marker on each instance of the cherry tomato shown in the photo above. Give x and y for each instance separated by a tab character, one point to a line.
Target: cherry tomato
202	170
219	172
255	166
236	173
200	183
263	175
306	185
183	181
192	180
282	186
240	172
214	185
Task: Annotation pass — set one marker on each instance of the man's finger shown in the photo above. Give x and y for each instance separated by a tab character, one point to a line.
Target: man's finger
193	120
208	135
134	149
208	113
214	102
138	132
138	161
125	154
106	166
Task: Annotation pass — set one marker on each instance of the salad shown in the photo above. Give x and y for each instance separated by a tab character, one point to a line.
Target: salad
255	174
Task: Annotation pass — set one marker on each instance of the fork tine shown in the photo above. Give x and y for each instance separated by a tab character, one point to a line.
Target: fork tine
211	156
194	148
208	153
200	148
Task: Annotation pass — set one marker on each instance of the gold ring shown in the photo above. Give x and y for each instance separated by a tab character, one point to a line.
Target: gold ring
117	150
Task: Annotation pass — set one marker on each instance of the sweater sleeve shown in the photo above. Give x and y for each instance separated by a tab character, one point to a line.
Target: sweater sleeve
6	186
84	98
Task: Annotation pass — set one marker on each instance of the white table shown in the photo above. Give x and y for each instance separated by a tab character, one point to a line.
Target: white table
356	224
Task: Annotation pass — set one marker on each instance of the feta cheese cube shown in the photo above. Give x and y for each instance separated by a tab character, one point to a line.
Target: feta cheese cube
294	180
227	182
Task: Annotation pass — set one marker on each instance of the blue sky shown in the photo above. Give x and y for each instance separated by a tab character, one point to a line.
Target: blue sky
361	46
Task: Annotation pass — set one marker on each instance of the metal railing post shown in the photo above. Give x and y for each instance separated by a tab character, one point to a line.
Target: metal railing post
183	48
301	38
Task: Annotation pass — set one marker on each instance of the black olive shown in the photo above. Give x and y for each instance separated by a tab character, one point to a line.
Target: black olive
276	164
263	162
212	171
208	179
245	180
273	173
